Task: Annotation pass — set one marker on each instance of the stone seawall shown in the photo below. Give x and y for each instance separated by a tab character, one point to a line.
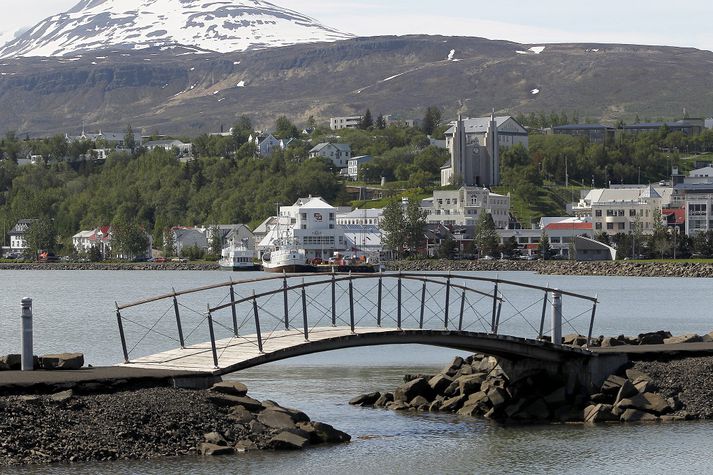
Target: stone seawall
604	268
144	266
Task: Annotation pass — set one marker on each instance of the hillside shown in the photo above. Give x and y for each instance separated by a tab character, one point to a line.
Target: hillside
175	92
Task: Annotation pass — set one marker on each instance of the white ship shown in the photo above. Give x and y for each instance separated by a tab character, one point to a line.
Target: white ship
286	258
237	258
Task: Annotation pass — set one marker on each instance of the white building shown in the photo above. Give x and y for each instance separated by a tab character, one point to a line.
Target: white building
463	207
338	153
622	210
361	217
18	240
355	163
475	149
184	149
349	122
561	232
101	238
312	227
264	144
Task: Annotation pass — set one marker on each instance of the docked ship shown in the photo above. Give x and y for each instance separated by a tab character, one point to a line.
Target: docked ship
238	258
286	257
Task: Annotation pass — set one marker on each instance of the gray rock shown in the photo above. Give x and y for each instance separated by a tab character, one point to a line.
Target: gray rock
497	396
226	400
612	385
287	440
635	415
478	398
469	410
215	438
439	383
470	384
599	413
574	339
384	399
418	401
453	404
328	434
653	338
276	419
212	449
688	338
10	362
257	427
245	445
397	406
626	390
365	400
649	402
240	415
418	387
62	361
62	396
453	368
610	341
234	388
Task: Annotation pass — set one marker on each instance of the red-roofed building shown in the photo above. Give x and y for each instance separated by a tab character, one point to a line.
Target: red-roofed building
675	217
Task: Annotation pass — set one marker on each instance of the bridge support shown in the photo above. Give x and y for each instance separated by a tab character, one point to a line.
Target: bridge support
334	300
544	312
398	304
232	308
493	328
423	305
284	300
214	350
257	324
351	302
448	302
378	304
304	312
121	333
556	332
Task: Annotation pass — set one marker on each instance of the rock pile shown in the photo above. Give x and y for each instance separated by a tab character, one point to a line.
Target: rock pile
63	361
661	337
478	386
150	423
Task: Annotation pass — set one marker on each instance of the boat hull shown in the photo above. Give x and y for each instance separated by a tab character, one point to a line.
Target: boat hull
362	269
250	268
290	268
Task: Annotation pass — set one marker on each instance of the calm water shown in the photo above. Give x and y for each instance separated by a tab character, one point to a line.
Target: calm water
73	311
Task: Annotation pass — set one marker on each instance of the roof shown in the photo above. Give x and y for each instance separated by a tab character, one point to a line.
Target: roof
569	226
163	143
679	215
583	127
480	125
362	213
313	202
361	158
701	172
649	192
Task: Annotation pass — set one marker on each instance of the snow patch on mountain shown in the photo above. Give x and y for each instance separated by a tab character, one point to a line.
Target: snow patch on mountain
213	25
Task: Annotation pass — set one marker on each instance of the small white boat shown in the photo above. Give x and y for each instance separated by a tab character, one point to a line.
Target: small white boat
237	258
286	258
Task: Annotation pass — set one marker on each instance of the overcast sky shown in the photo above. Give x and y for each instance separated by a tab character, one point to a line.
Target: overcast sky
683	23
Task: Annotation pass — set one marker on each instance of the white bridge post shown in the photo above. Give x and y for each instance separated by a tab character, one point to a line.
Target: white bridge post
556	328
27	360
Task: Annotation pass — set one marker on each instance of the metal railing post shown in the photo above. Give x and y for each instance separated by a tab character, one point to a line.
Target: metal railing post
448	302
544	312
462	308
178	320
27	361
284	300
121	333
214	350
398	304
257	324
495	308
304	311
497	319
351	302
556	317
334	299
591	320
423	305
232	308
378	305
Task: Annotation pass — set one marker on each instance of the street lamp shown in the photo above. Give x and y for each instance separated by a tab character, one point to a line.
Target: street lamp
674	231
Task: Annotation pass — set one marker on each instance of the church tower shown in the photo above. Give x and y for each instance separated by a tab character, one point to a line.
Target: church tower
492	143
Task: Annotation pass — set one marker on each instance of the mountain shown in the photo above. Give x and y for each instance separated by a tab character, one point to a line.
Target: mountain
173	92
206	25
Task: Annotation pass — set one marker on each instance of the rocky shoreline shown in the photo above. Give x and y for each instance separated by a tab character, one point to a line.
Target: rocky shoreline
142	266
559	267
149	423
663	390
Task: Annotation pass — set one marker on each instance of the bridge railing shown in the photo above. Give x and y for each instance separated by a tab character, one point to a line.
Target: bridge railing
255	311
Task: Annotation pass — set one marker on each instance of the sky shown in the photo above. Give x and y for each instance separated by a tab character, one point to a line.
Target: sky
656	22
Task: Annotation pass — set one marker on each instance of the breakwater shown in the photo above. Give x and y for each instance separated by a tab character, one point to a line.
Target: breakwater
143	266
557	267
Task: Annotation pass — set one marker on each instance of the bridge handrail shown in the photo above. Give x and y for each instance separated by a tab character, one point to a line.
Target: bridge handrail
408	275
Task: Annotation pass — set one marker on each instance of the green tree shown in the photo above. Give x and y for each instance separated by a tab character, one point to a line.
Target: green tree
216	243
128	241
285	129
544	246
511	248
129	139
380	122
431	120
367	121
486	236
242	130
415	219
448	248
394	226
41	236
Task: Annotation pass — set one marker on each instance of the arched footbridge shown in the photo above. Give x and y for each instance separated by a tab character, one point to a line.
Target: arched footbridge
235	325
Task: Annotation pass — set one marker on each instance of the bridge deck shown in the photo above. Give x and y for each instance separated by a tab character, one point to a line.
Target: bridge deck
242	352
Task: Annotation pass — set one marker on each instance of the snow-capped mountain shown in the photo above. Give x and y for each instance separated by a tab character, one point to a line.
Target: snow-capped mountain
214	25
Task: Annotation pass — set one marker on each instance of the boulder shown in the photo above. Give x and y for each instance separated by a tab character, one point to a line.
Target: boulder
599	413
453	368
439	383
464	370
610	341
295	414
245	445
212	449
497	397
287	440
417	387
653	338
436	404
470	384
626	390
226	400
451	390
649	402
276	419
215	438
240	415
634	375
453	404
635	415
397	406
62	361
486	365
418	401
10	362
469	410
688	338
62	396
257	427
645	386
478	398
600	398
234	388
325	433
384	399
612	385
574	339
365	400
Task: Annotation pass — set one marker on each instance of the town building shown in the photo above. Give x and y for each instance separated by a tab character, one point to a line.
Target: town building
183	149
18	235
462	207
361	217
264	144
348	122
101	238
355	163
475	149
594	133
622	210
561	233
689	127
338	153
110	139
185	238
396	121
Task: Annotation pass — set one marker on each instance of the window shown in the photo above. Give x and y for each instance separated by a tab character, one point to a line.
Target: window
610	212
331	216
303	215
621	226
598	226
598	213
610	225
632	212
